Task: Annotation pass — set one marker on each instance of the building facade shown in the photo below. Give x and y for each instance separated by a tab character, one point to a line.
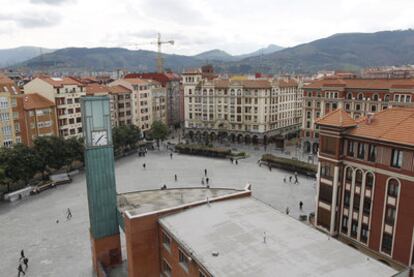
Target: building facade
171	82
7	103
36	117
143	102
241	110
365	185
358	97
65	93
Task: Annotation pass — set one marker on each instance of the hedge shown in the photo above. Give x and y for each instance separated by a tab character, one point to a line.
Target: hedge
290	164
202	150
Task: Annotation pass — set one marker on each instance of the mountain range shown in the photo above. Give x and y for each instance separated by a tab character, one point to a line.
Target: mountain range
20	54
348	51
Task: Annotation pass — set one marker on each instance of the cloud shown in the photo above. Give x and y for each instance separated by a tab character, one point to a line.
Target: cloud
50	2
34	20
181	12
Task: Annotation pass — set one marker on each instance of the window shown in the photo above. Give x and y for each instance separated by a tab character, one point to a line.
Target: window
375	97
357	200
348	175
390	215
397	157
183	259
349	96
325	193
354	228
393	188
386	243
345	224
326	170
350	148
372	153
166	269
361	150
360	96
369	183
328	145
358	177
166	241
364	233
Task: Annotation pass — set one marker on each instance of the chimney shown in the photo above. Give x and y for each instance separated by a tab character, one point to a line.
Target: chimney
370	117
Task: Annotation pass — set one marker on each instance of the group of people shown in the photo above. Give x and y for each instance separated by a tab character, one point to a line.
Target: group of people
300	207
291	177
234	161
22	261
205	180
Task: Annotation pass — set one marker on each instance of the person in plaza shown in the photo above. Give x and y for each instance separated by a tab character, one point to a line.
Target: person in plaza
231	160
270	168
237	162
300	205
68	214
171	155
207	180
26	263
164	187
284	179
22	255
175	177
296	177
20	270
287	210
143	165
290	179
202	180
205	172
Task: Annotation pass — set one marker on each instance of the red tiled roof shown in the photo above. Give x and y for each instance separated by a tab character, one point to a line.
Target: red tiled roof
163	78
96	88
59	82
390	125
35	101
8	85
362	83
119	89
337	118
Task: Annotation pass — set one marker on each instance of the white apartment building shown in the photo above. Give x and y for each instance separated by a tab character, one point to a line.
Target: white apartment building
148	101
65	93
261	110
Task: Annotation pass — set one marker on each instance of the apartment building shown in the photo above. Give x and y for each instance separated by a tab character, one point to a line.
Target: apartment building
365	184
65	93
146	95
171	82
358	97
258	110
7	89
36	117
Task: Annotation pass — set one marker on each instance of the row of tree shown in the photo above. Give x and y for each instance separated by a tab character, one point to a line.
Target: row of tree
49	153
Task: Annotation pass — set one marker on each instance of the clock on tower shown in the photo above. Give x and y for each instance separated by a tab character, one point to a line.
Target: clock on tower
100	181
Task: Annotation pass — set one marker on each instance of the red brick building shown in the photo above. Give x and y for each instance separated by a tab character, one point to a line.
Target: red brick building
365	192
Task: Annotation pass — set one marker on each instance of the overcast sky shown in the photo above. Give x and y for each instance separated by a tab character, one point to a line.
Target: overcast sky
236	26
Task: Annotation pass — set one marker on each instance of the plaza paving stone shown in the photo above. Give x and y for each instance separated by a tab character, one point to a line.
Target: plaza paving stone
63	249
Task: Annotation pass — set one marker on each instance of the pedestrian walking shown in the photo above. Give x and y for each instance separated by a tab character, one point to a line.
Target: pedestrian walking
144	166
57	221
202	181
287	210
20	270
300	205
164	187
231	160
68	214
290	179
175	177
284	179
22	255
26	263
207	180
171	154
237	162
270	168
296	177
205	172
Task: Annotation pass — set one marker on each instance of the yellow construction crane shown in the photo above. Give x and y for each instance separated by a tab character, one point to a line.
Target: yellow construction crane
159	43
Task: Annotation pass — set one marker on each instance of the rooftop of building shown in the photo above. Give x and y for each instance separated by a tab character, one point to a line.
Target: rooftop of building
337	118
393	125
34	101
235	230
94	88
60	81
119	89
163	78
8	85
362	83
145	202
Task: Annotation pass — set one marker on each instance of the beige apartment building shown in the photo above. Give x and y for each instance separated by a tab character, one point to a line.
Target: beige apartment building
65	93
258	110
145	95
7	89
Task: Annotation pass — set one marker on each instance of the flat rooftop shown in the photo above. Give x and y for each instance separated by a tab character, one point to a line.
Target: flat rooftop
235	229
143	202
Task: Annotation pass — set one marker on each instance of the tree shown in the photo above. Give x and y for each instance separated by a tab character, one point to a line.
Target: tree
159	131
51	151
125	137
74	149
22	163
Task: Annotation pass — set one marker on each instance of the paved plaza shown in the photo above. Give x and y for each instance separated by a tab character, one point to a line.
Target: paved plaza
63	248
